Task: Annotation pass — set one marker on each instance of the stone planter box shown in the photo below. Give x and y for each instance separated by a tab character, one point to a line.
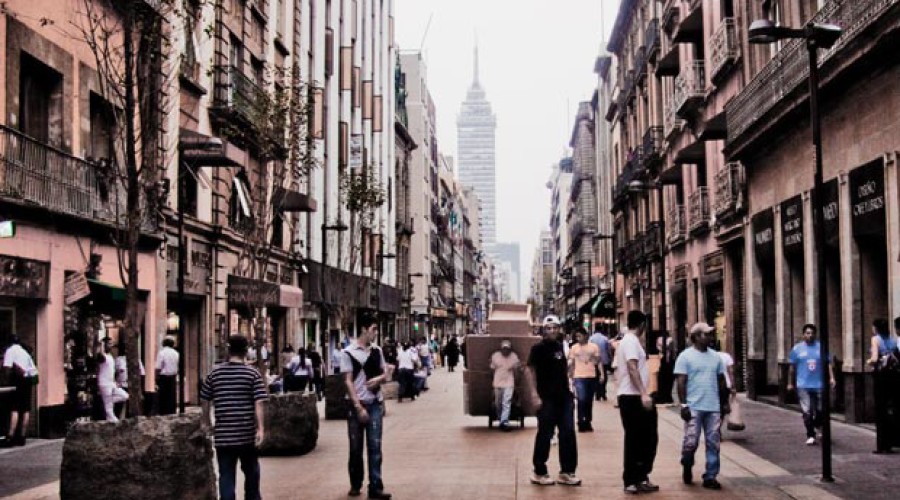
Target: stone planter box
292	424
138	458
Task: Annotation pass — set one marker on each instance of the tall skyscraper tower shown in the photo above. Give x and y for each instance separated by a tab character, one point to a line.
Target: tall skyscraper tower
476	126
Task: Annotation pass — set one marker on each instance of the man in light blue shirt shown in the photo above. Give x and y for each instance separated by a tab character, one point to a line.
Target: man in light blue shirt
701	377
806	364
602	342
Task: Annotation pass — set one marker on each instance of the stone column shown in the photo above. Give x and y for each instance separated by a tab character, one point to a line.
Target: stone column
754	320
851	304
892	237
782	320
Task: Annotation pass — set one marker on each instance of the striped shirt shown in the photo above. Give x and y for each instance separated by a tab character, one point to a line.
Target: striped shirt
234	389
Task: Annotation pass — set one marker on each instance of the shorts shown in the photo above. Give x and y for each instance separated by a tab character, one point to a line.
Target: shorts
21	402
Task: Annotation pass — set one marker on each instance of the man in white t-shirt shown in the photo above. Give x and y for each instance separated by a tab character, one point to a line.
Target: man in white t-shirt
20	372
110	393
167	376
636	408
504	363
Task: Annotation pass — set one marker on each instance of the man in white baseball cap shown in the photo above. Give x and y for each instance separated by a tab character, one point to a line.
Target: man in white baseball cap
551	320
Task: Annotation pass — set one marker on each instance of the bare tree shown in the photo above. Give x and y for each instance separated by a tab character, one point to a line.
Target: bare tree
128	41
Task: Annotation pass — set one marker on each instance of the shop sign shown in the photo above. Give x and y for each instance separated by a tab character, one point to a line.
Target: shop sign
867	199
75	288
792	227
713	267
763	227
831	213
251	292
24	278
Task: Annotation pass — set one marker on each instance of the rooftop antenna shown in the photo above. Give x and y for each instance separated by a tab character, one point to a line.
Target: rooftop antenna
425	34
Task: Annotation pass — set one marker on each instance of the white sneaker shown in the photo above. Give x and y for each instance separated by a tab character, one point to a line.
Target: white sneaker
568	479
811	441
543	480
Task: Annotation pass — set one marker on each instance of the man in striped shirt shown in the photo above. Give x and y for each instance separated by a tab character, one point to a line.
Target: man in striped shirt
364	371
237	392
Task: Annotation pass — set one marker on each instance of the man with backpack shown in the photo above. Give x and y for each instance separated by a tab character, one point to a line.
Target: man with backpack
364	370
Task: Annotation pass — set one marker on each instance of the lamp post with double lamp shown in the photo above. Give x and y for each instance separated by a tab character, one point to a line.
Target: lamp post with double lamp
639	187
816	36
339	227
381	258
409	298
612	267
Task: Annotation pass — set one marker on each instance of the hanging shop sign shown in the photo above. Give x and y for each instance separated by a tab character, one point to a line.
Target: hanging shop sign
763	226
25	278
831	213
75	288
712	268
867	199
792	227
251	292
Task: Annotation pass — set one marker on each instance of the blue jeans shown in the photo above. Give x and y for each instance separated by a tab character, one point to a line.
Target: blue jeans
709	422
811	404
584	391
503	403
227	457
372	430
552	415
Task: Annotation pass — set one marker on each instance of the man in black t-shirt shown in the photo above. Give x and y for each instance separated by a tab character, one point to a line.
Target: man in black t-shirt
550	370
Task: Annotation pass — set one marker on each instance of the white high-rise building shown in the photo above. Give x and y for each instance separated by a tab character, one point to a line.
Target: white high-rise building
476	126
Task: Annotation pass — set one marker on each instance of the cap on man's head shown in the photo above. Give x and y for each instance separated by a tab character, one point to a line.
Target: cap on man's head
506	344
551	320
701	328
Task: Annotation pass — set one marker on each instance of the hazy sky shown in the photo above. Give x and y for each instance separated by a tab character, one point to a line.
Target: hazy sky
536	65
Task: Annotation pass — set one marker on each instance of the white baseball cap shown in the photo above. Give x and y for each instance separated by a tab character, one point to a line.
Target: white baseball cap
551	320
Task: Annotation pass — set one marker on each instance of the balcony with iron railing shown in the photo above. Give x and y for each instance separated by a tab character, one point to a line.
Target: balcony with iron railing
670	14
652	146
730	185
690	89
238	94
672	124
651	38
620	192
726	49
638	255
676	226
788	71
652	242
35	174
640	65
698	203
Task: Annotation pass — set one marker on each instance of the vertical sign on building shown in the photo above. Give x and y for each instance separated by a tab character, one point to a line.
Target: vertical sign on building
763	225
867	199
792	227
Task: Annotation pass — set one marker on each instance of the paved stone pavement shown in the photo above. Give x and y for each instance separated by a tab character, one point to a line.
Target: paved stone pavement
432	450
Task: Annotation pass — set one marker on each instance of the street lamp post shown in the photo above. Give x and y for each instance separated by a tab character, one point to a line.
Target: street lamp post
323	311
816	35
612	267
409	296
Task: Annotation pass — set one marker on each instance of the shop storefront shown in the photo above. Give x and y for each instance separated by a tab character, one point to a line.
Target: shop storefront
763	345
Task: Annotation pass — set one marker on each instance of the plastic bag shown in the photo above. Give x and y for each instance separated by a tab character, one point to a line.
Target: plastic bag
735	419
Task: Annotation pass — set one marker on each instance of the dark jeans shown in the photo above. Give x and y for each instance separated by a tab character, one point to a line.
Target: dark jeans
370	433
811	406
641	439
228	456
406	382
886	409
167	398
552	415
584	391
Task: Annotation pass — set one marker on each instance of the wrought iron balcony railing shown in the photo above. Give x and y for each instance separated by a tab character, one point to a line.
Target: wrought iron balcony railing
640	65
690	88
672	124
652	147
676	226
789	69
670	14
730	185
699	209
726	48
35	173
652	242
651	37
236	92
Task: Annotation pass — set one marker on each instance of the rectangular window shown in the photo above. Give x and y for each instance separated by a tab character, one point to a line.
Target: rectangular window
346	68
40	101
357	94
377	114
318	111
102	128
278	229
329	52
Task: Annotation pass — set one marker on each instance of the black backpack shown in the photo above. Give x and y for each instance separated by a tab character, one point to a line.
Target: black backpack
372	367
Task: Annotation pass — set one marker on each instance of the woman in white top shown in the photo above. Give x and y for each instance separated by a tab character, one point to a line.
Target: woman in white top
300	371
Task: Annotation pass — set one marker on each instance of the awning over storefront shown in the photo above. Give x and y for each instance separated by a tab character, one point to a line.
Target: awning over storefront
290	296
106	298
605	305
